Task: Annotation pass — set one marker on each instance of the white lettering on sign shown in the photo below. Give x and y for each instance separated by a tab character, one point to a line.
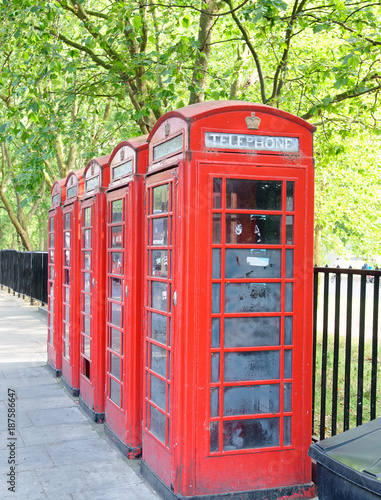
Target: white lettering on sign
220	140
168	148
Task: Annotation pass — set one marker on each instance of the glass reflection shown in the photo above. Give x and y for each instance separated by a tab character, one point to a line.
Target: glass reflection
86	346
116	236
67	240
257	433
161	199
252	332
116	263
253	228
251	399
116	340
157	424
289	229
87	260
159	360
159	295
216	263
214	436
290	196
260	365
159	328
117	211
252	297
217	193
115	366
160	231
87	238
158	392
252	263
115	392
116	288
116	314
251	194
214	402
87	216
160	263
217	228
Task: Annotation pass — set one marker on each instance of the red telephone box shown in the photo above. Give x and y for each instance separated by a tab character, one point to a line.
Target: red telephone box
228	303
55	279
93	288
71	281
128	164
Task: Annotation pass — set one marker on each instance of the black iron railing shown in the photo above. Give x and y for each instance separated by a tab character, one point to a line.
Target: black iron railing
345	349
25	273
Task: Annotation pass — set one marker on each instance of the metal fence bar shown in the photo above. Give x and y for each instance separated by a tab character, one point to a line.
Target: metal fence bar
25	273
337	340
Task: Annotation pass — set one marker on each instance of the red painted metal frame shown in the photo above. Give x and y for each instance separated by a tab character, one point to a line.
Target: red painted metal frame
187	466
123	421
71	285
54	347
93	287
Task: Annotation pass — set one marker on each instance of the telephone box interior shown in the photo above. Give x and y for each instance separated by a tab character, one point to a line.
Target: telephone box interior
128	164
54	347
93	288
71	274
228	303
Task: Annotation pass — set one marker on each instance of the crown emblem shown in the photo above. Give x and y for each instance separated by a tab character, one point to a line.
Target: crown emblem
253	121
122	154
167	129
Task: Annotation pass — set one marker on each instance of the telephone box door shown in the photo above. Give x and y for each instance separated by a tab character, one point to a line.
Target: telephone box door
116	302
252	349
70	334
87	287
161	299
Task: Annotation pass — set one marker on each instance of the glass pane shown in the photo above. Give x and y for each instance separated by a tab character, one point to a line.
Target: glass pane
51	238
289	263
67	258
67	295
159	295
252	297
159	328
51	253
116	236
86	346
287	397
116	288
250	194
253	228
67	240
252	263
258	433
216	263
159	263
288	320
66	351
160	231
116	263
290	197
87	238
217	193
51	223
67	314
216	292
117	211
246	400
157	392
88	216
51	276
86	282
214	427
214	402
286	431
289	297
161	199
115	392
121	170
116	340
216	332
261	365
157	424
288	364
116	314
66	331
217	228
86	325
87	258
115	366
289	229
66	277
159	360
215	373
67	221
252	332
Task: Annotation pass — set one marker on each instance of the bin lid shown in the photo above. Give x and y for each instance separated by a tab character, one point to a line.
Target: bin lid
353	453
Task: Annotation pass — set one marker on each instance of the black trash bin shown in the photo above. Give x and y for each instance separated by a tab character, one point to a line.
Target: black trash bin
349	464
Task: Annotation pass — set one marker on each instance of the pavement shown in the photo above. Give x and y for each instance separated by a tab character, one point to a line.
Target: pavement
55	451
